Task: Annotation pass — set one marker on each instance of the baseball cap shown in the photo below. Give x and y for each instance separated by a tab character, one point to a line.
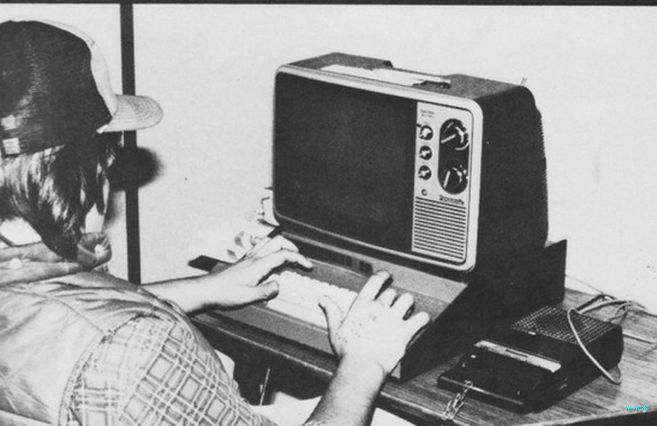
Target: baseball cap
55	88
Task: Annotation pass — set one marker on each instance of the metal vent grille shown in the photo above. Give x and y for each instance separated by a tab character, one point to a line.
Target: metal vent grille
552	322
440	229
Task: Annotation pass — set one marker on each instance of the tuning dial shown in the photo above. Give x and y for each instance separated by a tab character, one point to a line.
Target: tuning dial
426	133
454	135
424	173
425	152
453	179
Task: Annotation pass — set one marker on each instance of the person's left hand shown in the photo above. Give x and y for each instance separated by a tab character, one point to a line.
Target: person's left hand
376	319
93	249
241	283
35	261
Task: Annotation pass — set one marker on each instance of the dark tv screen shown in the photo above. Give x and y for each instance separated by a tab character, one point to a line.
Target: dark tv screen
343	161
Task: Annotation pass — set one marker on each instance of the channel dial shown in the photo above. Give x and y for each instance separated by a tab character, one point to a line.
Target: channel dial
454	135
453	179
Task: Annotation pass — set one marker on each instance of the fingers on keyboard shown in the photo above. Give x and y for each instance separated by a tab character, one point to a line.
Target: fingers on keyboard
267	246
417	322
403	305
373	287
281	257
387	297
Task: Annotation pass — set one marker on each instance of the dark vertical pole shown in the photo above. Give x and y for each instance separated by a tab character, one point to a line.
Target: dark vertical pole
130	142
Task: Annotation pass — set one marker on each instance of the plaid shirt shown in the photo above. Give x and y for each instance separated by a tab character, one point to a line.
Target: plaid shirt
154	372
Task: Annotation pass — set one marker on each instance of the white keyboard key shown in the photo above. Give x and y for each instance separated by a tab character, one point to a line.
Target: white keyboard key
298	297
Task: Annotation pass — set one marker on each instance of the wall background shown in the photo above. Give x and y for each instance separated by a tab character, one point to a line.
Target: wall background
591	69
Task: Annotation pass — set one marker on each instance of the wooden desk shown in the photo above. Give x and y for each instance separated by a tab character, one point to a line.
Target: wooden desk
420	401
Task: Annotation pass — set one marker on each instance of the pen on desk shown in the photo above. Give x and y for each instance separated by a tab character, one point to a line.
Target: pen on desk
262	241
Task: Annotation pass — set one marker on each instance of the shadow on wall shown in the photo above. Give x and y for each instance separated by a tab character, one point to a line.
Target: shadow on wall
132	168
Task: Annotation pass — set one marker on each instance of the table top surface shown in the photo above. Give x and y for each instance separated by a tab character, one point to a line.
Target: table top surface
420	400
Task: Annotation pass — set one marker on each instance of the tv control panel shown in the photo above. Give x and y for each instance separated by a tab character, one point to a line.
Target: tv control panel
442	192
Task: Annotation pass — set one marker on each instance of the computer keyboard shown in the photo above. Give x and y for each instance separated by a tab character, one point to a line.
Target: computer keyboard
298	296
295	316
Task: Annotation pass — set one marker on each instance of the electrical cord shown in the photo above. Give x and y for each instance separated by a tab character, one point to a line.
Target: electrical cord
613	300
622	309
615	380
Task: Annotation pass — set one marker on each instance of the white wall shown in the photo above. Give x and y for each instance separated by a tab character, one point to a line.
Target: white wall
592	70
102	23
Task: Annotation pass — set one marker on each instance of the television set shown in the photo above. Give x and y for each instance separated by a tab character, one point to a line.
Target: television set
446	171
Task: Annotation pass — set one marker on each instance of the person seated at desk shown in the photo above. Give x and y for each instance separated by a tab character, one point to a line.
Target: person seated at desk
80	347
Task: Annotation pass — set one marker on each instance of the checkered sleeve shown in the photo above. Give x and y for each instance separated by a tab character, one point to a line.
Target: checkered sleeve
154	372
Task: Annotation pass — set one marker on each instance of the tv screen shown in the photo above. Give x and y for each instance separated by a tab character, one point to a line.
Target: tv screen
343	163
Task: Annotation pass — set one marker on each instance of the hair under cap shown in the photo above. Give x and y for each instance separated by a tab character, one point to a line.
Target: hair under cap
54	89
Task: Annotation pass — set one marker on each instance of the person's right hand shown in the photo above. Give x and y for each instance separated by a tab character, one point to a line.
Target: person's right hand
375	329
242	283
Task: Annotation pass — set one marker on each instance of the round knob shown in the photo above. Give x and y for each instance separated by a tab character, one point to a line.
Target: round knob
424	173
454	135
425	152
426	133
453	179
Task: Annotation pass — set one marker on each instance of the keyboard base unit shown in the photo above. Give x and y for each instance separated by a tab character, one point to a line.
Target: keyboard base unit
462	309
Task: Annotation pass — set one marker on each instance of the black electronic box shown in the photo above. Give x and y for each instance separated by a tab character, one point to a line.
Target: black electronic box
537	360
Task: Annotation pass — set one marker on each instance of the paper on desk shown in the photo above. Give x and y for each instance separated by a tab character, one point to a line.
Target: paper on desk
231	240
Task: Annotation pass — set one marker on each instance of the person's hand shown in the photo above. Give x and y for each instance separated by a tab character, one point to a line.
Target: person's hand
241	284
35	261
375	330
93	249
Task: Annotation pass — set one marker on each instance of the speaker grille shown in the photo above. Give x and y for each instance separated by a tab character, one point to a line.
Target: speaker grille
552	322
440	229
